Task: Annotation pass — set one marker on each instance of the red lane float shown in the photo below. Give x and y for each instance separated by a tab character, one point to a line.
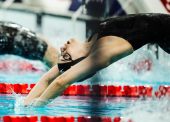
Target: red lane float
52	119
117	119
94	90
7	88
99	90
115	91
20	119
63	119
94	119
145	91
21	88
71	90
103	90
56	119
83	90
131	91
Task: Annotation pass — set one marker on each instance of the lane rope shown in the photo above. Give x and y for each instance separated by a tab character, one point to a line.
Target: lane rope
94	90
12	118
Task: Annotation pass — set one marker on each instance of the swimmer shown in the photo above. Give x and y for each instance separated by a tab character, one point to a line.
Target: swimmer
17	40
115	39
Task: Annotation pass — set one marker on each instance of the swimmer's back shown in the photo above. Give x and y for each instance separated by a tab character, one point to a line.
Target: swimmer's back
139	29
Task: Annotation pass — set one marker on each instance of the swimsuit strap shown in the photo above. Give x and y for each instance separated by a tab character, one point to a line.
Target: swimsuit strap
65	66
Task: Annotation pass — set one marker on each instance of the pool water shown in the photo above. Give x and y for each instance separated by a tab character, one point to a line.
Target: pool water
150	110
66	105
136	108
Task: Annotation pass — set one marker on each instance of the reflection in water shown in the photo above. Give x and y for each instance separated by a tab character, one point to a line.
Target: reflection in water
20	69
66	106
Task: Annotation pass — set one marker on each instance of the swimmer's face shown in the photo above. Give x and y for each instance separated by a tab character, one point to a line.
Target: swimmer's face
64	55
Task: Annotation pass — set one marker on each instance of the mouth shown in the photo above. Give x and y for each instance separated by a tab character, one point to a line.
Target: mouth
65	57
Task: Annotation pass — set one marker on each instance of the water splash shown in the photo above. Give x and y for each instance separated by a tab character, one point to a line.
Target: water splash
19	103
21	109
150	110
139	68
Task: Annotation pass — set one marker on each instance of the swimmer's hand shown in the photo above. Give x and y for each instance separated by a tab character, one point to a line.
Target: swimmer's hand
38	102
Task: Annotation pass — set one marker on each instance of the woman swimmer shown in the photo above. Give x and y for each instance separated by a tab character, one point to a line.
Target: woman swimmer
17	40
116	38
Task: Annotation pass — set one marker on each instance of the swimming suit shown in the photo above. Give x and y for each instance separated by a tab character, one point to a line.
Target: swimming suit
17	40
139	29
65	66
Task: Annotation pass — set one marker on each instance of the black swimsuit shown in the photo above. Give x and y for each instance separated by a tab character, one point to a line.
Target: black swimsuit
139	29
15	39
65	66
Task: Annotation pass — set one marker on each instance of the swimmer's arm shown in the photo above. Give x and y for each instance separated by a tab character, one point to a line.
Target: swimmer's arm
42	84
66	79
103	55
